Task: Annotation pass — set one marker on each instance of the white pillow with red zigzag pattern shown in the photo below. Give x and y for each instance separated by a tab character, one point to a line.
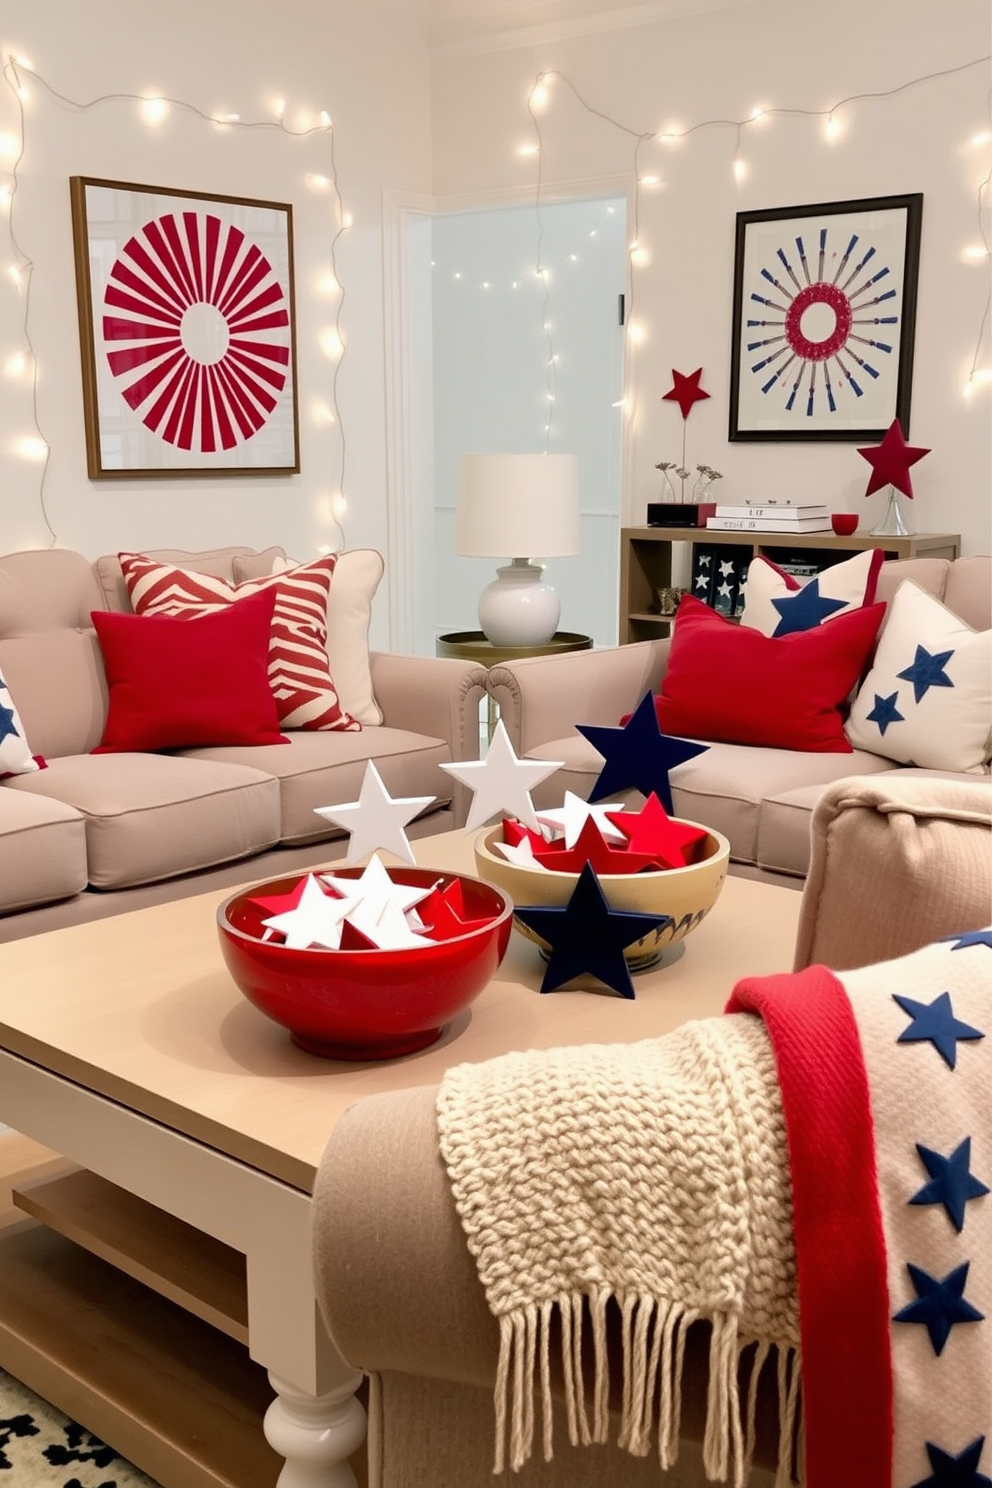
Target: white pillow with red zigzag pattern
299	672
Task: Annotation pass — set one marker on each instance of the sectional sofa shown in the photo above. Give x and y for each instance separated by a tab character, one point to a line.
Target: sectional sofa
95	833
762	798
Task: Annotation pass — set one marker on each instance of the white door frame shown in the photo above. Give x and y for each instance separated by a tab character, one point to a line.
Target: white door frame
409	447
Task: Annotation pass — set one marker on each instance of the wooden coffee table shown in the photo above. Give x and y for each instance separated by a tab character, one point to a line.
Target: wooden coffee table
168	1291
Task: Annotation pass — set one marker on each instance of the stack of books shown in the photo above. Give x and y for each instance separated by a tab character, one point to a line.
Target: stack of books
773	517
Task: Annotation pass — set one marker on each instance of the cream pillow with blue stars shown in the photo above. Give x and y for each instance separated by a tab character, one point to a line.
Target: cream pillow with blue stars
15	752
927	700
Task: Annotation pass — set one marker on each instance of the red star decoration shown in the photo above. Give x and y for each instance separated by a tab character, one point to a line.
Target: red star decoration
890	461
443	913
652	830
591	847
514	832
685	390
275	904
353	939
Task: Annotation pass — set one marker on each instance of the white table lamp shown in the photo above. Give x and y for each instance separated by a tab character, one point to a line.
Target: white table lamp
512	505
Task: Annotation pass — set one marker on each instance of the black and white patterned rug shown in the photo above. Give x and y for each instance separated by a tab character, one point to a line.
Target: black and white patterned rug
42	1448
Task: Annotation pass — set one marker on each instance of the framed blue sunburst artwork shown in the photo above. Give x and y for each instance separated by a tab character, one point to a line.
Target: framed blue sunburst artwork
823	319
186	329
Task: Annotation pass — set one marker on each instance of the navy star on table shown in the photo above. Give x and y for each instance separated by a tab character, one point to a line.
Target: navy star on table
952	1182
927	671
956	1472
970	938
940	1303
805	609
587	936
935	1022
885	712
638	755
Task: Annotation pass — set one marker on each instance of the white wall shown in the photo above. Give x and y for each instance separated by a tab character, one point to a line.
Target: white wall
718	65
369	71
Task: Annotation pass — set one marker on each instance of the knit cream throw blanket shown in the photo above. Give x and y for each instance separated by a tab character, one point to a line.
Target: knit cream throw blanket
653	1177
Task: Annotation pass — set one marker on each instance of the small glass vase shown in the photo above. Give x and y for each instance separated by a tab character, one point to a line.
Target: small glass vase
893	523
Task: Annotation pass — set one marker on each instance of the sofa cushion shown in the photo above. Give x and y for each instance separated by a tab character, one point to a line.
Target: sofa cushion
216	561
155	816
15	751
771	606
730	683
44	851
928	698
320	769
349	616
175	683
723	788
301	681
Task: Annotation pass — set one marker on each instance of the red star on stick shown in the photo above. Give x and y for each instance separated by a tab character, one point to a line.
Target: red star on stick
591	847
685	390
652	830
890	461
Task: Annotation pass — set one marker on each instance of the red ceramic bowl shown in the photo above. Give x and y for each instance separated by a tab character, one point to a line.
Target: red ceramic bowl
368	1004
844	523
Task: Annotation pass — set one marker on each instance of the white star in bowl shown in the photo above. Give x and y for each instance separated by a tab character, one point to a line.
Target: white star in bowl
316	920
501	782
571	817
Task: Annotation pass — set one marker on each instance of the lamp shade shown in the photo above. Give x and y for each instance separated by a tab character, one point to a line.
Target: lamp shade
517	506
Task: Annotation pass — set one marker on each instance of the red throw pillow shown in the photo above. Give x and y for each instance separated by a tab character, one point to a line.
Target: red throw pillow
731	684
175	684
299	672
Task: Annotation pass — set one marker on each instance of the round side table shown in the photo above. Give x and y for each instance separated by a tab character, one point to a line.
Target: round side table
472	645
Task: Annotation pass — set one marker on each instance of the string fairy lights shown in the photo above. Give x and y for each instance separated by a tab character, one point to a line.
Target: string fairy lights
835	123
154	111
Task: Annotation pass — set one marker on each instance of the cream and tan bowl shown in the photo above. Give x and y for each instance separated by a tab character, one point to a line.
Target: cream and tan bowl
686	894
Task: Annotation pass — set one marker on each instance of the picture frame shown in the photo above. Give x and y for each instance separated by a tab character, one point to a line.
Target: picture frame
187	331
824	317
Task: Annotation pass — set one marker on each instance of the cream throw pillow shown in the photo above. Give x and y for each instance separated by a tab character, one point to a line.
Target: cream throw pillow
349	616
927	700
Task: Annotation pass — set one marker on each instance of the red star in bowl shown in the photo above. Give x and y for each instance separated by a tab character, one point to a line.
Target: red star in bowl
444	915
591	847
652	830
890	461
685	390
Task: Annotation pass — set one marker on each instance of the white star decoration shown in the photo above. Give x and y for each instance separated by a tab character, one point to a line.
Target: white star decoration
316	920
521	853
571	816
501	782
376	819
726	568
379	906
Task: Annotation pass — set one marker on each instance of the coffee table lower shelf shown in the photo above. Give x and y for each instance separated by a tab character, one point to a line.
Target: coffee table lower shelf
128	1358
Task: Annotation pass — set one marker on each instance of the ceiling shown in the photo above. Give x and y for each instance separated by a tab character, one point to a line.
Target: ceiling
505	22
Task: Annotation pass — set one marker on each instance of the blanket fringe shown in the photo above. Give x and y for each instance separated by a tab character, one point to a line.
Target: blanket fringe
653	1338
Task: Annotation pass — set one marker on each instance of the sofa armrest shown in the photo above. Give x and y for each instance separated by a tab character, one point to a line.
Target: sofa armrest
433	695
896	862
542	698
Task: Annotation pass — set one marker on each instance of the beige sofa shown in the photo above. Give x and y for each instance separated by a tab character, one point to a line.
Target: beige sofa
760	799
93	834
897	862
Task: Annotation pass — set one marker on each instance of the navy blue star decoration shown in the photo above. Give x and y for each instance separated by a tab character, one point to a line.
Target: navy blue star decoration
7	722
587	936
927	671
940	1304
956	1472
969	938
638	755
934	1022
885	712
952	1182
805	609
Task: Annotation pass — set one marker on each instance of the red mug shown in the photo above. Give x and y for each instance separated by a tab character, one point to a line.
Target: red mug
844	523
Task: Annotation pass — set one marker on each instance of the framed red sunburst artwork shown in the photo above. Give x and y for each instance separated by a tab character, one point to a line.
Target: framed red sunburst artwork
186	330
824	318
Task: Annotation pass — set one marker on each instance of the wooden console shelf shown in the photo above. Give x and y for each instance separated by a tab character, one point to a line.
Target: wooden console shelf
646	561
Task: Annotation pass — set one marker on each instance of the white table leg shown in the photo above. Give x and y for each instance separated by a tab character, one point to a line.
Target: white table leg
315	1433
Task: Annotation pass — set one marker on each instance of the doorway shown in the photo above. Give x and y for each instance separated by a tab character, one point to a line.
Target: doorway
523	361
